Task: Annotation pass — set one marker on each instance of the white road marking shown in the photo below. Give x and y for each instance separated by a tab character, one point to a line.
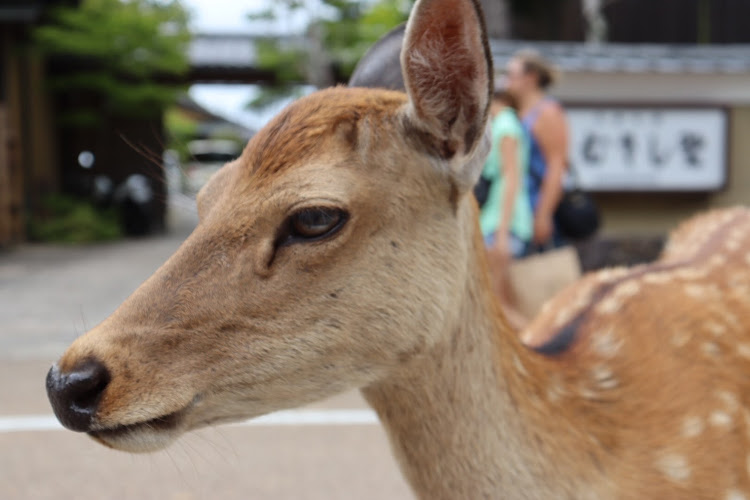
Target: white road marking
29	423
36	423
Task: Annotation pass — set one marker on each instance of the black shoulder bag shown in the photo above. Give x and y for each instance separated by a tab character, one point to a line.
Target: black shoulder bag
576	216
482	190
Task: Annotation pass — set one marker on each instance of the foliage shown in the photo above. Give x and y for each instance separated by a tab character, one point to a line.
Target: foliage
337	36
65	219
180	131
118	50
182	128
349	37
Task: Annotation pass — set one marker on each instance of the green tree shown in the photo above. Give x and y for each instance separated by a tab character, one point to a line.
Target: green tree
338	34
122	51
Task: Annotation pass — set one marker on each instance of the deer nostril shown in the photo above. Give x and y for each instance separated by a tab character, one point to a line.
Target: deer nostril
75	395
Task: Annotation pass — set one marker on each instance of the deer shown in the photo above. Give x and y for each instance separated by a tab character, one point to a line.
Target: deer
342	251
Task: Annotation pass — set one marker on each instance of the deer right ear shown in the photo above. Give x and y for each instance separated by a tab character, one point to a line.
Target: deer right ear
447	69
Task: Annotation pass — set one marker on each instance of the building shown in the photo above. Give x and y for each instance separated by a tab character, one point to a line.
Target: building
658	131
677	113
28	167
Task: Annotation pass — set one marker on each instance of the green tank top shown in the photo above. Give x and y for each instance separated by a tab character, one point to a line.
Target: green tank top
506	124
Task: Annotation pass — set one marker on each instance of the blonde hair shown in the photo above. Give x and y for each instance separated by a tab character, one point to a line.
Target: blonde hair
533	62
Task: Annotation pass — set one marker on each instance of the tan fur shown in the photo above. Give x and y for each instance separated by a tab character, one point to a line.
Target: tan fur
674	361
649	401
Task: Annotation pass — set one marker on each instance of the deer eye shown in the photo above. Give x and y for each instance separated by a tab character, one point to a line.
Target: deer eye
313	224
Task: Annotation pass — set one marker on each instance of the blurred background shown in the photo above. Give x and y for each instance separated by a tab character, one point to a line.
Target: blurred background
106	102
113	114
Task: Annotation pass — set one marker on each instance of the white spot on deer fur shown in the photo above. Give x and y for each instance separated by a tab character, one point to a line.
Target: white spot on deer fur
710	349
675	467
724	218
553	394
534	400
681	338
587	393
695	291
583	298
609	305
735	495
717	260
604	377
733	243
716	329
604	275
628	289
545	307
692	426
741	292
555	391
608	275
609	383
738	233
720	418
563	316
691	273
731	403
607	344
743	349
658	278
520	368
730	318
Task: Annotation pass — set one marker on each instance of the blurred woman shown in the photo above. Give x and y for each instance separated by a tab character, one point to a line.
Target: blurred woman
505	217
529	78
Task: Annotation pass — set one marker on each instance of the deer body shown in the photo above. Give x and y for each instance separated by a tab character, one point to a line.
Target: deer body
635	407
342	250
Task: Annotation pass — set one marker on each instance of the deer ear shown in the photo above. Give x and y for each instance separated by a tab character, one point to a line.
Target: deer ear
447	70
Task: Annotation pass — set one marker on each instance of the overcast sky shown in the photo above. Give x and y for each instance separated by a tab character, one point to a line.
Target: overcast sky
226	16
221	15
231	16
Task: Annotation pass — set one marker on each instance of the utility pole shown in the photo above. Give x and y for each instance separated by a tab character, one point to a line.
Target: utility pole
497	15
596	30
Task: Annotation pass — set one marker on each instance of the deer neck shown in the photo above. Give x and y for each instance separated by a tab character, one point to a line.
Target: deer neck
458	418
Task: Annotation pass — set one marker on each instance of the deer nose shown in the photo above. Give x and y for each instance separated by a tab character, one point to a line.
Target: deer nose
75	395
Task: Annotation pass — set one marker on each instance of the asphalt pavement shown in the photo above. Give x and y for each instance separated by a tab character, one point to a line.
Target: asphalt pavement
51	294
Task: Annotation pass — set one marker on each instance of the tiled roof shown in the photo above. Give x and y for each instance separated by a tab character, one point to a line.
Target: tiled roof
215	50
231	50
238	51
633	58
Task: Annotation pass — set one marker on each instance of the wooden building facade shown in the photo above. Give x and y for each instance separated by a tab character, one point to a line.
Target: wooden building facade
28	140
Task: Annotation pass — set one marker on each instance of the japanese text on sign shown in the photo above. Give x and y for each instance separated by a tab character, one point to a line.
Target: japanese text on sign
648	149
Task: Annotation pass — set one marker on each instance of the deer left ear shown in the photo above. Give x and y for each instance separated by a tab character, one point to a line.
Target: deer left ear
447	68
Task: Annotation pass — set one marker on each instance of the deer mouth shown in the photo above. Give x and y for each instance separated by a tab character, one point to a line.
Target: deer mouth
148	435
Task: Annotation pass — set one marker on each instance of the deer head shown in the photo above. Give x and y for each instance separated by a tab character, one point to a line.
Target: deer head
328	256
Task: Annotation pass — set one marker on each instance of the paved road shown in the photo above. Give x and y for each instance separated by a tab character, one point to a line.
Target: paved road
48	296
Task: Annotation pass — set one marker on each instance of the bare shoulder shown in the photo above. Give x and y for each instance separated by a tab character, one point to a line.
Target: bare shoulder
552	110
551	117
